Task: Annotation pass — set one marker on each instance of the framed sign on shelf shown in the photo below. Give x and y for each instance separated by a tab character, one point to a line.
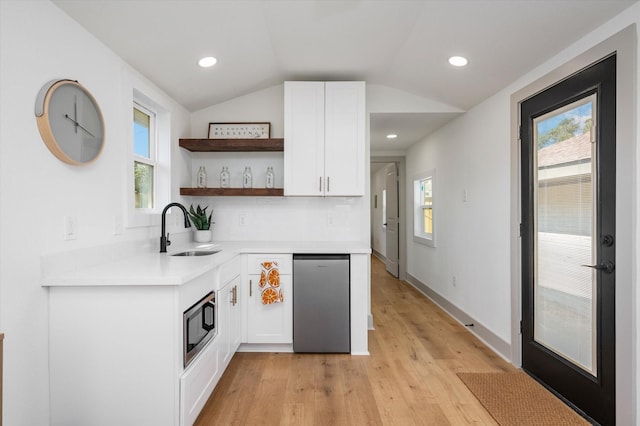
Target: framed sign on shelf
239	130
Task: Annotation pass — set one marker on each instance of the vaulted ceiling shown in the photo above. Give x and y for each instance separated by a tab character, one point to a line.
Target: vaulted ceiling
402	44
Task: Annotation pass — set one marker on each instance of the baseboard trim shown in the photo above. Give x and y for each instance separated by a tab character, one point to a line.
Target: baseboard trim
379	255
497	344
266	347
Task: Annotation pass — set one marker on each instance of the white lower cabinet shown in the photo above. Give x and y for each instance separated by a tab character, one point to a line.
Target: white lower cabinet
201	377
269	323
197	383
229	319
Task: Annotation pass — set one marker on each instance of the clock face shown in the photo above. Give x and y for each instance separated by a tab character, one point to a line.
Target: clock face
71	124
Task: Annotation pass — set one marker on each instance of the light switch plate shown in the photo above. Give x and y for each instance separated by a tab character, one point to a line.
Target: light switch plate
117	225
70	228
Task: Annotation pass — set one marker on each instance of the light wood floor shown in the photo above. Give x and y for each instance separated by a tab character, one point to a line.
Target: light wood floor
409	378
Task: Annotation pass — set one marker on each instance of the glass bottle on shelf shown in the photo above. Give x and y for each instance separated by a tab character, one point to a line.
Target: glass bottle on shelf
224	177
247	178
269	178
202	177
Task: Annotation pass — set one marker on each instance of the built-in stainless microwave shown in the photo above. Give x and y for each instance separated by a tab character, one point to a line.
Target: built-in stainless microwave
199	326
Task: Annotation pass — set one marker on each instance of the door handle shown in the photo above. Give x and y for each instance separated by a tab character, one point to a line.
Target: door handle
606	267
209	323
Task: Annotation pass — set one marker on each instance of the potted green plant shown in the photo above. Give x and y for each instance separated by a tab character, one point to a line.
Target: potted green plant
201	222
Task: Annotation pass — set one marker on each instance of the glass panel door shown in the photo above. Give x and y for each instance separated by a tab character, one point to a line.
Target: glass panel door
568	229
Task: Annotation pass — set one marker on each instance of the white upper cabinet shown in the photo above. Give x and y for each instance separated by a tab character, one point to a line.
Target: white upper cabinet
324	137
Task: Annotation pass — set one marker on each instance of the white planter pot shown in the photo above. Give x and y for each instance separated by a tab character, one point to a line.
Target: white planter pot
202	236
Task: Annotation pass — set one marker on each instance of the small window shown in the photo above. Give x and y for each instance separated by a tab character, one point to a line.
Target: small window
144	156
148	159
423	202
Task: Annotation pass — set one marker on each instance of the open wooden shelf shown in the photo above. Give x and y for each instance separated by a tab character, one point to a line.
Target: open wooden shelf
251	192
232	145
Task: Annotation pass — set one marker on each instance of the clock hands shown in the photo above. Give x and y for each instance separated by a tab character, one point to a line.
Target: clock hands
75	118
78	125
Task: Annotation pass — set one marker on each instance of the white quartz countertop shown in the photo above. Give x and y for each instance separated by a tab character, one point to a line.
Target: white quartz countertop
153	268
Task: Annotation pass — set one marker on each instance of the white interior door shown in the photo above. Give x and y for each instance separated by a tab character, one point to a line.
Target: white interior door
391	218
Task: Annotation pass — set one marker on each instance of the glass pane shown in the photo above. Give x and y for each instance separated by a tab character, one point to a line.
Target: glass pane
426	188
564	292
143	185
141	133
428	221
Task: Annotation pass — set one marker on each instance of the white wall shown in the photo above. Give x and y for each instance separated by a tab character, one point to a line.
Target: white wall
38	43
476	238
264	218
472	237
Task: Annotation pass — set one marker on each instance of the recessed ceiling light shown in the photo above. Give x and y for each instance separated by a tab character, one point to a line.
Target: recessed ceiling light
458	61
207	61
392	136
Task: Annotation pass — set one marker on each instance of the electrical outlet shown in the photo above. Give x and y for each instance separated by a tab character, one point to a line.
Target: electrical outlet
70	228
242	219
453	281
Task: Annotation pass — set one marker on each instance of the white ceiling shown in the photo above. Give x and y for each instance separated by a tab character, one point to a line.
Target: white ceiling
398	43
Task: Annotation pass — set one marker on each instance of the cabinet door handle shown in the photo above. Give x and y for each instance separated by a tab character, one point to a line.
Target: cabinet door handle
235	295
250	289
328	184
320	184
208	317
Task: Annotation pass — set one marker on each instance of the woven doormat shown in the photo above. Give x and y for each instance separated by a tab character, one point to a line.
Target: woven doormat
517	399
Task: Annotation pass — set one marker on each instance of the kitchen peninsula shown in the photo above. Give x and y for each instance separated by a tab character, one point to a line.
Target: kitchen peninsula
128	315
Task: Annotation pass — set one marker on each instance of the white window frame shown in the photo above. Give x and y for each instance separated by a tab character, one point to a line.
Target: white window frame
419	234
153	148
160	151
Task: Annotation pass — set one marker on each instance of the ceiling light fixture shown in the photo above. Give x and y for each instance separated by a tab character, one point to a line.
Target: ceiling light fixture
458	61
392	136
207	61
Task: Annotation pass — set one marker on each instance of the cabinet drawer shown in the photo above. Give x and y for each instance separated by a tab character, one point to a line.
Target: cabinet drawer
254	262
198	381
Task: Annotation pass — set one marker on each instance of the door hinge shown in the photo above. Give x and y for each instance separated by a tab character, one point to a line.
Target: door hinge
520	326
521	229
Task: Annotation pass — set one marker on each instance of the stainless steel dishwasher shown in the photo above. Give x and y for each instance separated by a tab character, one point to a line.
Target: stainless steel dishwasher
321	303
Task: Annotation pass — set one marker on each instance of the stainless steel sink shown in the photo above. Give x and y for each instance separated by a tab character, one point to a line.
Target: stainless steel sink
196	253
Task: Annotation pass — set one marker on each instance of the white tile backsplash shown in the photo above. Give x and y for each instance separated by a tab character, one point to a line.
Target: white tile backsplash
285	218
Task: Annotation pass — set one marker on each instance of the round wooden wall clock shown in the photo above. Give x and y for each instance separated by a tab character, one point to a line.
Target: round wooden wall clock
70	121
